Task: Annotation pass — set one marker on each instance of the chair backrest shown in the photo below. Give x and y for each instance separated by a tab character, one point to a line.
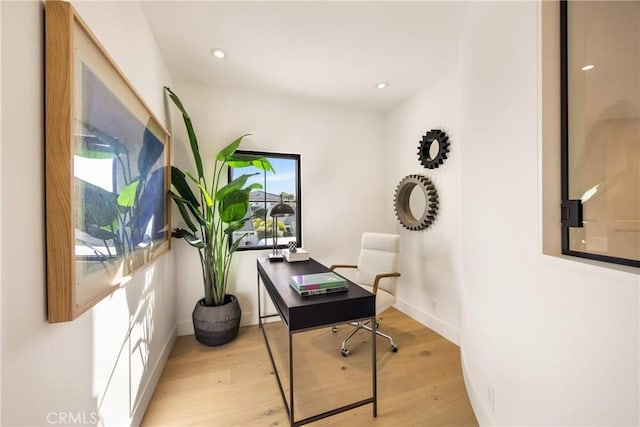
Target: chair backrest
378	254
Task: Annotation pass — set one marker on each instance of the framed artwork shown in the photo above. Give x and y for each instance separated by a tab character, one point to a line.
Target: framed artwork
107	171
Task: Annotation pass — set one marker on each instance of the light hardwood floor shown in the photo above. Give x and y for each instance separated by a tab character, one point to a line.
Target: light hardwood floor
234	385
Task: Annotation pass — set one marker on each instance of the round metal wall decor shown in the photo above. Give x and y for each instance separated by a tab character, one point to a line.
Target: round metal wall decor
433	148
401	202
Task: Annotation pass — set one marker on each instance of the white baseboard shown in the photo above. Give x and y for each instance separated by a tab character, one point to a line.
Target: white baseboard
152	381
430	321
480	411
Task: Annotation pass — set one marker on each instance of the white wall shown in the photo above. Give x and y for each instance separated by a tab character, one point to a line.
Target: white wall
430	261
1	210
342	167
557	340
107	361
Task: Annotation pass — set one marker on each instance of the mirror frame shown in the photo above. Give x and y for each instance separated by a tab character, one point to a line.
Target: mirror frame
402	197
425	146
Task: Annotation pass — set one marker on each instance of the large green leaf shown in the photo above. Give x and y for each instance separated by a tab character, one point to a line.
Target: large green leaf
237	184
234	206
194	210
185	215
228	151
180	184
236	226
254	186
190	238
246	160
127	196
203	190
205	194
195	150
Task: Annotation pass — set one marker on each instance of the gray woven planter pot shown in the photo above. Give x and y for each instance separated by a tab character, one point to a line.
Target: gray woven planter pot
217	325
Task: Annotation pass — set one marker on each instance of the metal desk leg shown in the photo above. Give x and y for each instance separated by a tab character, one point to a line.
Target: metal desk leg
291	418
259	310
374	367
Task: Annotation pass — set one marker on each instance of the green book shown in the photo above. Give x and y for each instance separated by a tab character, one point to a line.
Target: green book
308	282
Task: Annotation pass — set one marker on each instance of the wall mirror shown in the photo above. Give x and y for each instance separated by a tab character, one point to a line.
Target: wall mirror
433	148
416	202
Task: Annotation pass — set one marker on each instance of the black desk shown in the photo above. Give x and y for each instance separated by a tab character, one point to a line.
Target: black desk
299	314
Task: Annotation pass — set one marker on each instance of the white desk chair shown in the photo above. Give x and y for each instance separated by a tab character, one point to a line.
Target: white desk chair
376	272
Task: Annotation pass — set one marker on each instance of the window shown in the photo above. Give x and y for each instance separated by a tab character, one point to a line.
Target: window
283	185
600	113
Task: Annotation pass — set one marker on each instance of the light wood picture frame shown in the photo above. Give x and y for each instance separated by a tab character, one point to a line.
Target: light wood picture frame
107	161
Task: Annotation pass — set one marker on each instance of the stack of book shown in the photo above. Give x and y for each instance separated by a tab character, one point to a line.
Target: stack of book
299	255
318	283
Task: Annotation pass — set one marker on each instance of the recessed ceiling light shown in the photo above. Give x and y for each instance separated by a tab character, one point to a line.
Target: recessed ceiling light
218	53
588	67
382	85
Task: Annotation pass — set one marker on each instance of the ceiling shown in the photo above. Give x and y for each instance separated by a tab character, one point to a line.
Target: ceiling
325	51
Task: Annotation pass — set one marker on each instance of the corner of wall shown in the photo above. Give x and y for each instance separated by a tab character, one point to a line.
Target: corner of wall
432	322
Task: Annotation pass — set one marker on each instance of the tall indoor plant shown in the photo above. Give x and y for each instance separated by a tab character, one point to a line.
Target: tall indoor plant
218	210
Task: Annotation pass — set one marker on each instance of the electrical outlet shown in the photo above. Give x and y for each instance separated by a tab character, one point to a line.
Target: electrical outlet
491	395
434	305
